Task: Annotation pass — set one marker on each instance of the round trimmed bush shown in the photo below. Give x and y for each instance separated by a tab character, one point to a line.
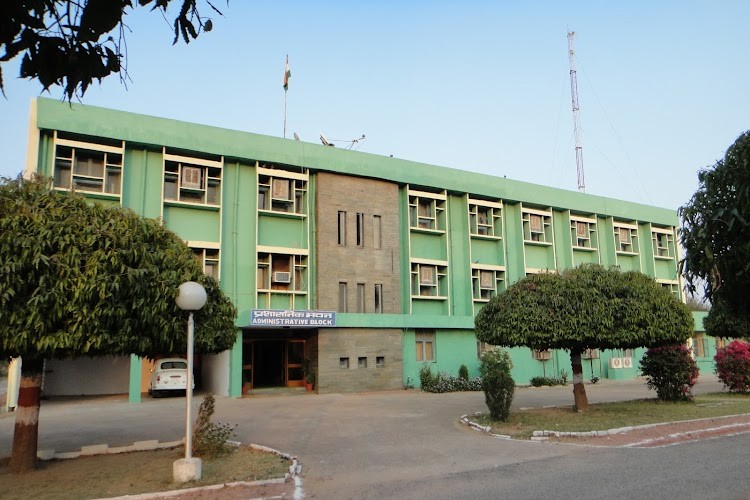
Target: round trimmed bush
671	371
733	366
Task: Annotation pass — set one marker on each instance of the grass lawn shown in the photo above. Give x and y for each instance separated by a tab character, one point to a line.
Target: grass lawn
132	473
603	416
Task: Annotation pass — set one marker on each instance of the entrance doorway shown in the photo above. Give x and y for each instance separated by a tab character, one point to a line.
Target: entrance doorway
272	363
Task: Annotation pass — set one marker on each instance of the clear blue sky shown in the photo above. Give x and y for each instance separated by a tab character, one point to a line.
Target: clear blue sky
480	86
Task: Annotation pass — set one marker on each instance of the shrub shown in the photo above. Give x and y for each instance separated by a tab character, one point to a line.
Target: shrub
425	376
733	366
550	381
463	373
210	439
671	371
497	383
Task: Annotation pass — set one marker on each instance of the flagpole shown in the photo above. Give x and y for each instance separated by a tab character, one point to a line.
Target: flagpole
285	91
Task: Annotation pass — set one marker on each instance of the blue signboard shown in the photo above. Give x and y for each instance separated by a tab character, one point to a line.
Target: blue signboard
288	317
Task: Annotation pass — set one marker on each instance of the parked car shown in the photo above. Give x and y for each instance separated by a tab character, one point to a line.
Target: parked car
167	376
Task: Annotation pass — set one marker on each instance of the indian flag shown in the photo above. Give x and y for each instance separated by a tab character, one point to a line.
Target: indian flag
287	74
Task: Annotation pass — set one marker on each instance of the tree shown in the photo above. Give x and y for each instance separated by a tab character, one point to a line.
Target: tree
81	279
716	237
584	308
70	42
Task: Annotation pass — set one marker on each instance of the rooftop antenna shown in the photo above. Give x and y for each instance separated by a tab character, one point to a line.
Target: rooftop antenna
576	113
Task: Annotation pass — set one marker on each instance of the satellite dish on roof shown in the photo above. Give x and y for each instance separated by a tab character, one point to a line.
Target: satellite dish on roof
325	140
296	137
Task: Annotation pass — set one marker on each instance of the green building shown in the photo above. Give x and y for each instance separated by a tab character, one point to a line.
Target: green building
363	266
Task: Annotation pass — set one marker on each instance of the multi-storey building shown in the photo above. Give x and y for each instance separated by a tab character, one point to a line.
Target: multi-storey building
362	265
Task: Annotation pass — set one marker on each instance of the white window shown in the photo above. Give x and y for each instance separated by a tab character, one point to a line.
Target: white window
537	226
282	273
208	258
429	280
626	238
88	167
192	180
427	210
583	233
486	282
485	218
663	243
282	191
425	344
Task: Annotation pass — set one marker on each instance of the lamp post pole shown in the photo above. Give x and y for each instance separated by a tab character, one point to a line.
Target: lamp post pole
191	297
189	390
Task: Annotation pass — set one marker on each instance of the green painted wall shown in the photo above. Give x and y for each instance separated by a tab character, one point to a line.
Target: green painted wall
459	266
193	224
280	231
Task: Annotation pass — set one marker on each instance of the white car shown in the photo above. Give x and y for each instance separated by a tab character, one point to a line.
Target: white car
168	375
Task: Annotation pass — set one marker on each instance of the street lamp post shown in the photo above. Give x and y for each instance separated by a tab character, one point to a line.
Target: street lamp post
191	297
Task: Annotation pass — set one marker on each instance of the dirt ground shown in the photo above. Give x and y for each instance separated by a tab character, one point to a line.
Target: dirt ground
667	434
104	476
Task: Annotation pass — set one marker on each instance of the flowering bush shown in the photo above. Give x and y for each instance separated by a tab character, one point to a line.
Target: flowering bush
671	371
733	366
442	382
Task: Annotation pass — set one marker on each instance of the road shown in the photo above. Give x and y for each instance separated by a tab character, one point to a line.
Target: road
408	444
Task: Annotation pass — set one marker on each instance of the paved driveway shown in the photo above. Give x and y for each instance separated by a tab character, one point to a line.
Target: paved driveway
347	444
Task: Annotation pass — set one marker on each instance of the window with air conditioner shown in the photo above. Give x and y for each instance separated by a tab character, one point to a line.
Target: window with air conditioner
426	210
626	238
281	190
537	226
485	218
486	282
583	233
429	280
282	277
88	167
192	180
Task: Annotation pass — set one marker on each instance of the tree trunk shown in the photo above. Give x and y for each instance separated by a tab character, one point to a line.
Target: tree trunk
26	433
579	391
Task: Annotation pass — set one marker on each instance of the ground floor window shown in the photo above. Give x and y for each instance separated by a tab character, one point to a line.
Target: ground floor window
425	341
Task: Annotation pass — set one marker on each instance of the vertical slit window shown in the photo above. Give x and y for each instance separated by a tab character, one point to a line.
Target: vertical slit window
378	294
342	228
360	297
342	297
360	229
377	232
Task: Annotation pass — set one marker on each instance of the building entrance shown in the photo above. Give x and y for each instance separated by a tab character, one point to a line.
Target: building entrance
272	363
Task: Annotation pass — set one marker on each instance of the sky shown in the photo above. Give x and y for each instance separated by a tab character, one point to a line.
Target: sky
473	85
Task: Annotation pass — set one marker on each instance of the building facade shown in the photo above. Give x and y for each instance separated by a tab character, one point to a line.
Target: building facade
360	266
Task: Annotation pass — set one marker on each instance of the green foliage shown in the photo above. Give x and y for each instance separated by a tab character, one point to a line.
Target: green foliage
443	382
497	383
425	376
671	371
733	366
463	372
209	438
562	379
585	307
716	235
78	278
71	43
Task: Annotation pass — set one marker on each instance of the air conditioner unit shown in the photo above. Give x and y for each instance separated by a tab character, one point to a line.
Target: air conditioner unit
590	354
426	275
615	363
191	177
535	221
627	362
280	189
541	355
486	279
282	277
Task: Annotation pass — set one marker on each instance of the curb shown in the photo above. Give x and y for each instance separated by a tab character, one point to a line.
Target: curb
544	435
294	474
